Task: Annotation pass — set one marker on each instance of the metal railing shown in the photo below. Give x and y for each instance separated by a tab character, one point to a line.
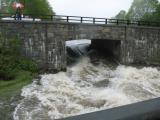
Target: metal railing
79	19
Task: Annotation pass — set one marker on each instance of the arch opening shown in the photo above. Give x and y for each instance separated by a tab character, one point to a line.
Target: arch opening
76	49
109	48
94	49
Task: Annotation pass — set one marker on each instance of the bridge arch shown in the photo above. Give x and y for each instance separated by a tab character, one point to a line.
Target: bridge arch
111	48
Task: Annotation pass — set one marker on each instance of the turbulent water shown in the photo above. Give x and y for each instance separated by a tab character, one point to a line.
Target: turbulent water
89	85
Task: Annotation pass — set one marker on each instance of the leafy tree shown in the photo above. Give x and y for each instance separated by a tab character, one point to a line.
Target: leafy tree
36	8
140	8
157	13
4	4
121	15
155	16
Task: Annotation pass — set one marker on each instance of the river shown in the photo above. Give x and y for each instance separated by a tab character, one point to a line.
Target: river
92	83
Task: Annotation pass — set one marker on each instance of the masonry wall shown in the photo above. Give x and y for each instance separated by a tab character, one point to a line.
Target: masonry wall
142	45
98	34
138	44
44	42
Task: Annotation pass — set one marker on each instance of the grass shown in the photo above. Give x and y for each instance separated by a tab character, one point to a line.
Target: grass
10	93
8	87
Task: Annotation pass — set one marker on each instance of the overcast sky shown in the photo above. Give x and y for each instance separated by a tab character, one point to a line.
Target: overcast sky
92	8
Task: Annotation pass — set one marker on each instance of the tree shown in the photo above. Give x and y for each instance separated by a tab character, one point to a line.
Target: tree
36	8
121	15
4	4
140	8
155	16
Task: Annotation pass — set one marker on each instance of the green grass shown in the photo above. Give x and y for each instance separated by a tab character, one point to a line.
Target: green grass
10	93
7	88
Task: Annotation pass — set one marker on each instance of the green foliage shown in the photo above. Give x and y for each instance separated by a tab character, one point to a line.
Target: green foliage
10	93
22	78
26	64
121	15
141	7
155	16
9	46
37	8
11	60
16	71
7	70
145	10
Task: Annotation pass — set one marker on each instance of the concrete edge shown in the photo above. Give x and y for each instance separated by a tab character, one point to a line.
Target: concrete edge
145	110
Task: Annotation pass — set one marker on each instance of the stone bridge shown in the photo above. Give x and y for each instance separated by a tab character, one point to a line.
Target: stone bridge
45	41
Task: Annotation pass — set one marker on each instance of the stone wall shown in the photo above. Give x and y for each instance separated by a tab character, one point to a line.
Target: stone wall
142	45
45	41
138	44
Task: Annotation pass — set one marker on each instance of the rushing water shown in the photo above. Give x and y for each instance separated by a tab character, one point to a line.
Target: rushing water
89	85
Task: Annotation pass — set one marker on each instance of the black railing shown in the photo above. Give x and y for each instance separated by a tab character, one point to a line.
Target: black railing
79	19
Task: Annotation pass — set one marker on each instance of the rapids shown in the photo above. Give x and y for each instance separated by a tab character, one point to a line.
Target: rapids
91	84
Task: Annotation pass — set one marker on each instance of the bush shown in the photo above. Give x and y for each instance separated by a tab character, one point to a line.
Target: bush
11	60
26	64
6	67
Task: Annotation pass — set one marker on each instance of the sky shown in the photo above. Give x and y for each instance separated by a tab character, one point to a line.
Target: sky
90	8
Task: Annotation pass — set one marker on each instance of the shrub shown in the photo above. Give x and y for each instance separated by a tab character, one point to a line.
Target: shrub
11	60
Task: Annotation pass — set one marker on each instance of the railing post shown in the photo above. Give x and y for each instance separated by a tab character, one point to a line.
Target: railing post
106	21
93	20
81	19
15	17
128	22
67	18
51	17
117	21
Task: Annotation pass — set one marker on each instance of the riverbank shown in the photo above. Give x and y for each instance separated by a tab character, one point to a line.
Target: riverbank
16	71
10	93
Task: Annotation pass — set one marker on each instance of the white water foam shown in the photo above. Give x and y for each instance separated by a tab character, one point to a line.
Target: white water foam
85	88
